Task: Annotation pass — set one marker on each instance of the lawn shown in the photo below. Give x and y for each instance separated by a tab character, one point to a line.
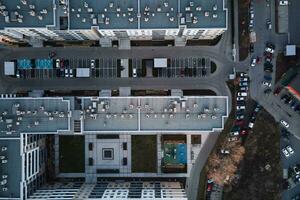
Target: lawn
244	40
144	153
71	154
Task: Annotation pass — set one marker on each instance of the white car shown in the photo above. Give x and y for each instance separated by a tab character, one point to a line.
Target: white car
283	2
134	74
251	124
241	84
244	75
243	88
235	133
70	73
284	123
241	107
57	63
251	15
269	50
285	153
92	63
244	79
290	149
242	94
4	149
265	83
66	73
240	98
253	62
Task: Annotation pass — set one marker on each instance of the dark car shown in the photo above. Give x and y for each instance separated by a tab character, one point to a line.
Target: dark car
271	45
268	64
267	91
267	77
251	47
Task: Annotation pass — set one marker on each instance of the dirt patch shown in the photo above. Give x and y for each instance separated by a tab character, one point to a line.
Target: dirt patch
259	174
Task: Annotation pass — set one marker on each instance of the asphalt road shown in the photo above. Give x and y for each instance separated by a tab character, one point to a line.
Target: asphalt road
270	102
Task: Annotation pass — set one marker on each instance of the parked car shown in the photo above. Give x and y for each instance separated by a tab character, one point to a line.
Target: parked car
239	117
93	64
242	94
251	47
225	151
269	50
283	2
243	74
235	133
253	62
266	83
241	107
285	152
268	24
250	125
240	98
134	74
268	77
57	63
296	170
244	79
267	91
290	149
284	123
243	84
243	88
277	91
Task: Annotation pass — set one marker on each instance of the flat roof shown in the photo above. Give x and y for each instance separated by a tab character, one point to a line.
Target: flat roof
12	168
209	14
293	16
103	13
33	115
15	10
146	14
148	114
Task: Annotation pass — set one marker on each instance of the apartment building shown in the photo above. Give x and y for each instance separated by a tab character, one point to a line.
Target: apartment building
106	126
113	20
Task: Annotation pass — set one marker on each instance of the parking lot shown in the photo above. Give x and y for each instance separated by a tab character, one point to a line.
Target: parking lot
185	67
111	68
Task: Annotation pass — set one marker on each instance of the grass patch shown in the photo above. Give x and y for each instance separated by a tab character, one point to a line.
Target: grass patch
213	67
71	154
144	153
244	39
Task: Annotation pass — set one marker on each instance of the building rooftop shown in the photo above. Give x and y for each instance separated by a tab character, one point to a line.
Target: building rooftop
26	13
146	14
203	13
33	115
105	14
11	169
148	114
112	114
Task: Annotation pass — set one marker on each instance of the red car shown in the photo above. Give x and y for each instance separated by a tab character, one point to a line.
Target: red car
244	132
239	122
209	187
277	91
